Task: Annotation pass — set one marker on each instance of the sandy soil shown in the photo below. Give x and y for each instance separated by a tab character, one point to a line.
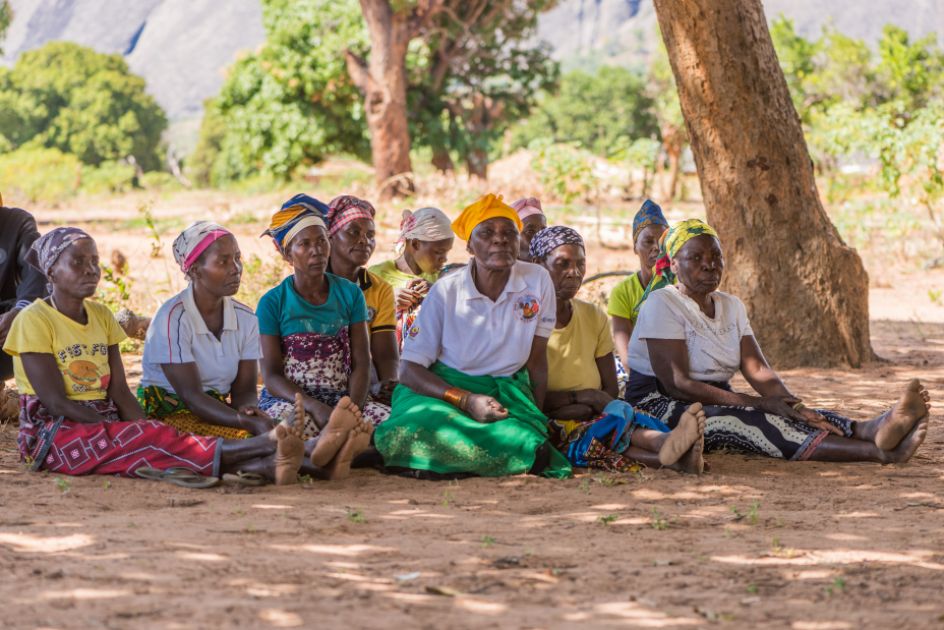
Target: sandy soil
755	543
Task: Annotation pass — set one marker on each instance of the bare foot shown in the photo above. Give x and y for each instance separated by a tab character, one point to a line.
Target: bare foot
908	411
690	429
357	442
289	452
907	447
693	461
342	421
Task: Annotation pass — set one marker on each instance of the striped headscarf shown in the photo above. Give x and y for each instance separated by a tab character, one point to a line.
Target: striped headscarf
426	224
47	248
649	214
528	207
346	208
669	245
194	241
550	238
295	215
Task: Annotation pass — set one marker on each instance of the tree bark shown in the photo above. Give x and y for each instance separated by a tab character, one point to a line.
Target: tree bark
382	80
805	290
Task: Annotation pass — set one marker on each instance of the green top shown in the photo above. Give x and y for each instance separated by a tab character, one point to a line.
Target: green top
389	271
625	297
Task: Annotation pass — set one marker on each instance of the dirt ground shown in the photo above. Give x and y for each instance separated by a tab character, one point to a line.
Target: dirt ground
755	543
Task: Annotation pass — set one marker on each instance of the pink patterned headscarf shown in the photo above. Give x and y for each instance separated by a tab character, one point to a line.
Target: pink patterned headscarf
346	208
527	207
194	241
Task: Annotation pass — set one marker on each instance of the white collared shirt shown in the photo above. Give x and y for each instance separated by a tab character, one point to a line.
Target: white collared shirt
178	334
468	332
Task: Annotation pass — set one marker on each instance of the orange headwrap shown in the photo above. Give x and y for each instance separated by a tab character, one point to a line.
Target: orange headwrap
488	207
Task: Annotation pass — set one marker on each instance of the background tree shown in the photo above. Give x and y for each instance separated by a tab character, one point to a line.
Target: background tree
289	104
6	16
599	111
71	98
806	291
382	79
479	69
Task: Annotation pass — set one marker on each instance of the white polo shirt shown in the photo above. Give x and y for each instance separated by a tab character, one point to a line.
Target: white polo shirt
178	334
468	332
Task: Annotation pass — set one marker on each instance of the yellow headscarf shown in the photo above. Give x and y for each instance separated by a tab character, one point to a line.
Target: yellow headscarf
488	207
669	245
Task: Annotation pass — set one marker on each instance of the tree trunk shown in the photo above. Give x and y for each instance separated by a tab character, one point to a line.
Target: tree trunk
805	290
441	160
383	82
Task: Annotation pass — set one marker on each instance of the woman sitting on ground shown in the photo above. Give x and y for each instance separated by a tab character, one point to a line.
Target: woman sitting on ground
648	226
202	348
313	327
689	341
532	221
77	414
352	237
474	368
588	424
422	249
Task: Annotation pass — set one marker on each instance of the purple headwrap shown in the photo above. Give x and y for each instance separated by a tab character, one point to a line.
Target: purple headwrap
47	248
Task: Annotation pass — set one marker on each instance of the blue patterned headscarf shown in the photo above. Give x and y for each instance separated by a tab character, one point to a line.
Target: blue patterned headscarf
550	238
295	214
649	214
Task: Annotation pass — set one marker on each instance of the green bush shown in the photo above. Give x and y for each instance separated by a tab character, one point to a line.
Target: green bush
566	171
110	177
31	175
160	181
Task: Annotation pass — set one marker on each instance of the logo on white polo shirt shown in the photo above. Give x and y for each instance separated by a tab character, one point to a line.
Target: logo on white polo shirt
414	331
527	307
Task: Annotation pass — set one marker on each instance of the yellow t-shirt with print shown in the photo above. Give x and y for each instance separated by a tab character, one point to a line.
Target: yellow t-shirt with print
378	294
625	297
81	351
572	351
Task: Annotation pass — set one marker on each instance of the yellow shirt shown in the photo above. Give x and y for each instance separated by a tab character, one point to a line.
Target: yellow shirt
379	297
389	272
625	297
572	351
81	352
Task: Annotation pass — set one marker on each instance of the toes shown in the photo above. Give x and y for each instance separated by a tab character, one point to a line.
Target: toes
281	432
695	408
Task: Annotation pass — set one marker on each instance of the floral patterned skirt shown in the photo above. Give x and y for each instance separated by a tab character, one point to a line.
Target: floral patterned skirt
321	366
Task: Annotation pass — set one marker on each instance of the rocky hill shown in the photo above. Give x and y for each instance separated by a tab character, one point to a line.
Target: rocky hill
183	47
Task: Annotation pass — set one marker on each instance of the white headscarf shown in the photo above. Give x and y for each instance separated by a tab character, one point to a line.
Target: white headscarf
426	224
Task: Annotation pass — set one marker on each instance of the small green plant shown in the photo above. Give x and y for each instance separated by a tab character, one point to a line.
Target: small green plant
838	586
584	485
752	513
935	296
752	588
487	541
356	516
153	233
63	484
606	519
658	521
106	485
115	291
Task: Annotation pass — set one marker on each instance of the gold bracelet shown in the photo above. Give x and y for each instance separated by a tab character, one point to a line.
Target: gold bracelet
799	406
456	396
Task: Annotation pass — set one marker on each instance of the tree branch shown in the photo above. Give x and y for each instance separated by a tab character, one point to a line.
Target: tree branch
357	69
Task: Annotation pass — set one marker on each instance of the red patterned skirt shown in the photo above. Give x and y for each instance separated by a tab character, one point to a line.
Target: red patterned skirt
110	447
